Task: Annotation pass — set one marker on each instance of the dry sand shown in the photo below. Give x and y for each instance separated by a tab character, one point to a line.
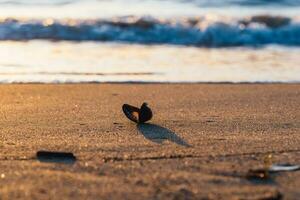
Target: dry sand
200	144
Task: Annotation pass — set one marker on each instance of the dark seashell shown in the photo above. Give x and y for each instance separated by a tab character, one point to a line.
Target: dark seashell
57	157
131	112
145	113
138	115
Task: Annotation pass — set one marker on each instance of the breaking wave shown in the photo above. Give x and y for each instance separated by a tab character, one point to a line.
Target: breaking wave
202	32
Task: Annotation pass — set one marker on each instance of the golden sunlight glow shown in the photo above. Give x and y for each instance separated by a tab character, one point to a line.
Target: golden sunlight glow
48	22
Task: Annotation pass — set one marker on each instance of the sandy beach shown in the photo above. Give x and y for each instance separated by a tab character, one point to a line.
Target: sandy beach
200	144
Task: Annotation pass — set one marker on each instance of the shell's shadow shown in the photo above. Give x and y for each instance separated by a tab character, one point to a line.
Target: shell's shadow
158	134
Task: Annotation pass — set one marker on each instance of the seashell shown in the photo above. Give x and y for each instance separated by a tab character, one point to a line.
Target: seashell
57	157
138	115
145	113
131	112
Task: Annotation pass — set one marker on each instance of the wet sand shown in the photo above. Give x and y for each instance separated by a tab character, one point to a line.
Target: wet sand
200	144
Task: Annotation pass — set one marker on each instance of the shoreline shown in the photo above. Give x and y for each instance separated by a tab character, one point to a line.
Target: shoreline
200	144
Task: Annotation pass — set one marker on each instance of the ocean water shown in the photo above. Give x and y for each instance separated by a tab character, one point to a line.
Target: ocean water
71	41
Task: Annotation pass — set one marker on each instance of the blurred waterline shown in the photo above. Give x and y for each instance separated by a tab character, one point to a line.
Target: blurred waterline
48	62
